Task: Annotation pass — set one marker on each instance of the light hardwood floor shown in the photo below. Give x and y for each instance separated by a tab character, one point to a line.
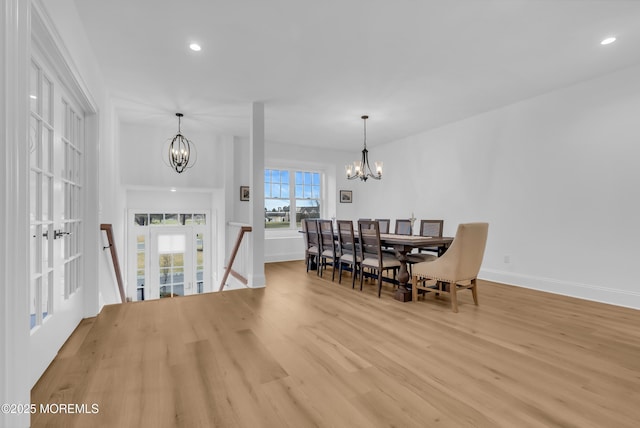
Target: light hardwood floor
307	352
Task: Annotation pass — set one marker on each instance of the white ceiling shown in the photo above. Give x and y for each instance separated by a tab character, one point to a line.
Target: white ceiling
411	65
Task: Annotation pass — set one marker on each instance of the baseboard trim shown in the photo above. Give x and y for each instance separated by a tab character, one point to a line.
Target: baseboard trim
284	257
595	293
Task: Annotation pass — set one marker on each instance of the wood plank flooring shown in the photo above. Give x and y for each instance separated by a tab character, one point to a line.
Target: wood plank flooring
307	352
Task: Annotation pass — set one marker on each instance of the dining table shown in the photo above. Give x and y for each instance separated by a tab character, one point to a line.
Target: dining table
402	246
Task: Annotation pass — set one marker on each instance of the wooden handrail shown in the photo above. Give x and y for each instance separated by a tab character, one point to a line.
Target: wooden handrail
114	257
243	229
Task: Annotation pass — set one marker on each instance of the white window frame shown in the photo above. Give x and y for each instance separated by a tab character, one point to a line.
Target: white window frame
293	227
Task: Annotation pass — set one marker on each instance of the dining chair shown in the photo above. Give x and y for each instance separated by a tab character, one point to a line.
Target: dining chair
363	219
384	224
349	251
328	248
403	227
312	242
457	269
373	257
431	228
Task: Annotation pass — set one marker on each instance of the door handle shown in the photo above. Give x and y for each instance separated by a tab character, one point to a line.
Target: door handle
59	234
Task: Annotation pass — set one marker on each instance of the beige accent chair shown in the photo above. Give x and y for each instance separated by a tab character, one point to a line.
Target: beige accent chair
457	269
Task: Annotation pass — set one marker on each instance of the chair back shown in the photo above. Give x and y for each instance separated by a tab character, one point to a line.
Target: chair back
384	224
327	239
431	228
403	227
311	232
346	238
369	234
464	256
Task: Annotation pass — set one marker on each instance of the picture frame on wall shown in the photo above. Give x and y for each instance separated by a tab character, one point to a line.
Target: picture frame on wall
244	193
346	196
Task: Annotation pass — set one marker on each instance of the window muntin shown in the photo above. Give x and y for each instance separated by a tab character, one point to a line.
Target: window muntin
290	191
169	219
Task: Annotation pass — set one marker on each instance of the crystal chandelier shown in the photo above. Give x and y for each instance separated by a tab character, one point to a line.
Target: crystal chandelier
361	169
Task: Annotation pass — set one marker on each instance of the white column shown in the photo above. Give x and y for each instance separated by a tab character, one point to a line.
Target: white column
256	269
14	212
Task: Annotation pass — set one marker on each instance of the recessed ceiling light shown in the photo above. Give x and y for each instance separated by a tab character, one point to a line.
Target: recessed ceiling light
173	189
195	47
608	41
33	97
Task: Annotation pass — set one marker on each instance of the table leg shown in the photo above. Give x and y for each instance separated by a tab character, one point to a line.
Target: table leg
403	293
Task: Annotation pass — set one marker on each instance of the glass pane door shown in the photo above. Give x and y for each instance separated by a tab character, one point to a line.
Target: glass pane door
171	263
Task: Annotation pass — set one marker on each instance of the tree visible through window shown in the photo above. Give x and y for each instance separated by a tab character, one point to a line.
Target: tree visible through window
287	192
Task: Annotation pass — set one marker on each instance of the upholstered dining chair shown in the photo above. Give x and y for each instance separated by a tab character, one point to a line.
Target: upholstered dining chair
373	257
431	228
403	227
329	253
384	224
457	269
312	242
363	219
349	251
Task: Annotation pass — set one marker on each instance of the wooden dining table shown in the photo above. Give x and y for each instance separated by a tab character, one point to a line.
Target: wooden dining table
403	245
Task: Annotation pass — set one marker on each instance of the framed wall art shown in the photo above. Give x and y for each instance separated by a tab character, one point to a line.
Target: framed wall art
346	196
244	193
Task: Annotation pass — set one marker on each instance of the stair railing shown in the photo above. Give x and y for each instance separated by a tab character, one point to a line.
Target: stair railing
114	257
243	228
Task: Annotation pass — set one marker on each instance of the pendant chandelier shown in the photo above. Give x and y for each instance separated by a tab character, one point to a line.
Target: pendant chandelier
181	151
361	169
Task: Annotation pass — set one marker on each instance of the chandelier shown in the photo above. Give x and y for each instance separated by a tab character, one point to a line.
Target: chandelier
361	169
181	151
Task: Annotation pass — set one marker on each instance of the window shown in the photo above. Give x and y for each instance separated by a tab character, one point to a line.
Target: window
287	192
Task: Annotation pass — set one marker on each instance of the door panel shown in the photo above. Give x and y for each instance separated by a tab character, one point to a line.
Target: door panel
171	263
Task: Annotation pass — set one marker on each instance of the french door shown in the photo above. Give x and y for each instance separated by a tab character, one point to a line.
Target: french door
168	255
56	146
171	263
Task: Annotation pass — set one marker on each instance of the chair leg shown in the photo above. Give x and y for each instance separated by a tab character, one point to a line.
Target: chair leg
453	291
379	283
414	288
361	277
340	273
474	291
333	270
354	272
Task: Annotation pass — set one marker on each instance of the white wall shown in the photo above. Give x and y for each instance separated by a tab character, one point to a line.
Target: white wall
143	162
555	176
